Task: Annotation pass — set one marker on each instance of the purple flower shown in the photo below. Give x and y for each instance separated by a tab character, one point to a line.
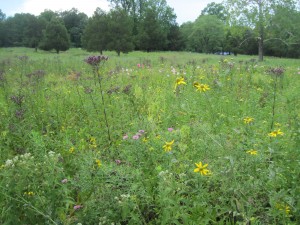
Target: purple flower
125	137
64	181
118	161
76	207
141	131
95	60
170	129
135	137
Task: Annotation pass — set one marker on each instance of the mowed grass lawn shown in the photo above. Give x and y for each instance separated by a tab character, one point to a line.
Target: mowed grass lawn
148	138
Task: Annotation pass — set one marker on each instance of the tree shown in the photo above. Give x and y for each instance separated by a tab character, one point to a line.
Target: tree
55	37
2	16
33	32
75	23
186	29
119	35
95	32
2	31
207	34
283	33
175	39
256	13
216	9
153	22
151	34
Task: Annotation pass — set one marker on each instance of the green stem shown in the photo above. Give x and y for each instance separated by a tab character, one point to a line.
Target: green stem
104	108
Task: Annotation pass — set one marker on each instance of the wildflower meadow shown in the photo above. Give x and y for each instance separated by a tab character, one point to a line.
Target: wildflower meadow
148	138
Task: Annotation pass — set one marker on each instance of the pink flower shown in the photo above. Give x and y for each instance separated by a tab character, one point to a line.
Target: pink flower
139	65
76	207
141	131
64	181
170	129
135	137
118	161
125	137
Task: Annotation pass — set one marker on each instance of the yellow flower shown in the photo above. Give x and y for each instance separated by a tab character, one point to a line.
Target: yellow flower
145	139
284	207
276	133
93	143
71	150
29	193
201	169
196	84
98	162
179	81
168	146
201	87
248	120
252	152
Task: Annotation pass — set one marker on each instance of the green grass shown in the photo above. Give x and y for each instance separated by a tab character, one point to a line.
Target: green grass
60	166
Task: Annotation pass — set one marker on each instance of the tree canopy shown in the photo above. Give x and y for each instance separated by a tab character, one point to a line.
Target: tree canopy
263	27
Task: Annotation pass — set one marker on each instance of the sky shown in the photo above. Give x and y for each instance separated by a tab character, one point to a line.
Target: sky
186	10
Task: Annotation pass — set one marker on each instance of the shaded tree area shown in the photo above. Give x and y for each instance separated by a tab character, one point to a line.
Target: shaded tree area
55	36
147	25
253	27
50	30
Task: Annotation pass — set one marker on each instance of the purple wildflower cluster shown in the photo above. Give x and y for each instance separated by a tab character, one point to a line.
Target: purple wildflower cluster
136	136
95	60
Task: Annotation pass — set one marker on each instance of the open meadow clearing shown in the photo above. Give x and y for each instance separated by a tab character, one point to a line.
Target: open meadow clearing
148	138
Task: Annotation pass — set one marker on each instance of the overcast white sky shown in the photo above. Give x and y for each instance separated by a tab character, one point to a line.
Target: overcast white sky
186	10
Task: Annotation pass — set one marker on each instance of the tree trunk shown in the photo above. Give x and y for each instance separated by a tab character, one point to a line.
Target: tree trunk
260	49
261	32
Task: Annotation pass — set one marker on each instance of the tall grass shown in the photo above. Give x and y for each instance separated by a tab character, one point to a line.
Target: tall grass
156	150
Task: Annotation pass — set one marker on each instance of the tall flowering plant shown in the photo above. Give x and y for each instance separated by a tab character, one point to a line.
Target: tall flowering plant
95	62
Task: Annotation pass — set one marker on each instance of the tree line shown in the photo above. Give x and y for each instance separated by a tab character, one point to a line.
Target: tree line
263	27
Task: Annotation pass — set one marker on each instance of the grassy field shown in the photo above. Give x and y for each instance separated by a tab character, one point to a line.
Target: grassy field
148	138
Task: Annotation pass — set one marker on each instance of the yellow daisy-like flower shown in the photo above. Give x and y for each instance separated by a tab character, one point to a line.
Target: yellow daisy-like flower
276	133
284	207
98	162
168	146
252	152
29	193
248	120
201	87
180	81
71	150
196	84
92	141
202	169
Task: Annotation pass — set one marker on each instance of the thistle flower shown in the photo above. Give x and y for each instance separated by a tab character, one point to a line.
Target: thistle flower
76	207
168	146
95	60
202	169
135	137
64	181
